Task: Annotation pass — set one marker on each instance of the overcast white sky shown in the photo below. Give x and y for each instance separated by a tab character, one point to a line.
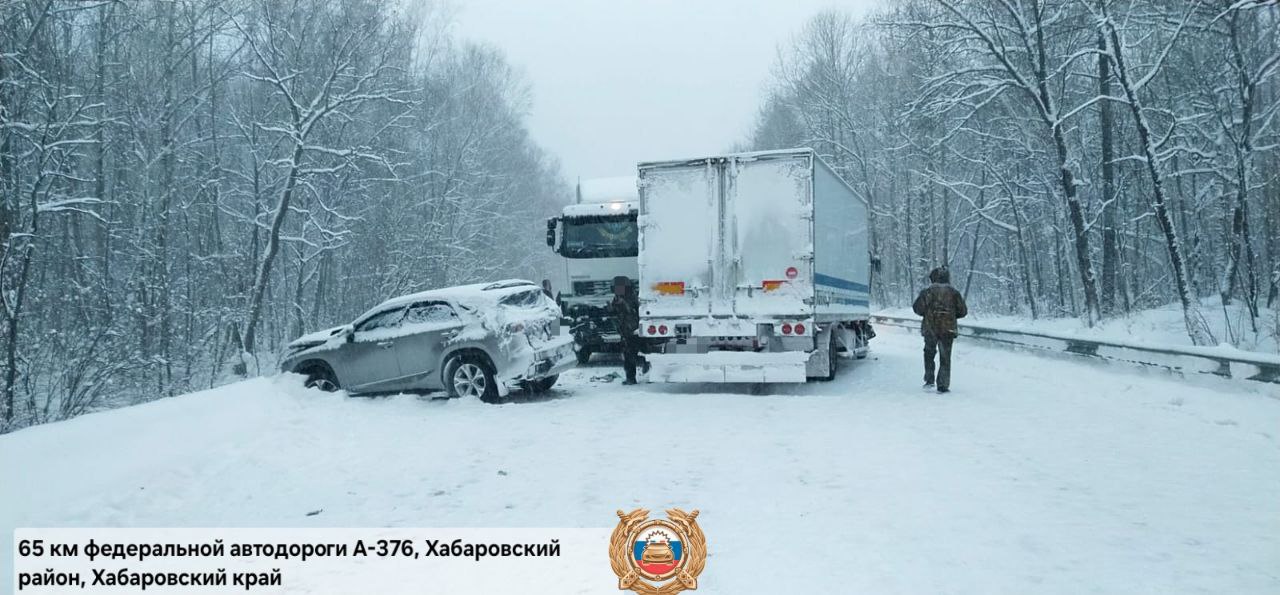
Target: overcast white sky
616	82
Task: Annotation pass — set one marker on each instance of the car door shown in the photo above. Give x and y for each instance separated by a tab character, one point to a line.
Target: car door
426	328
369	360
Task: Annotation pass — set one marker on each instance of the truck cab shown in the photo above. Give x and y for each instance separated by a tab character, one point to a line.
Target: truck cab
597	237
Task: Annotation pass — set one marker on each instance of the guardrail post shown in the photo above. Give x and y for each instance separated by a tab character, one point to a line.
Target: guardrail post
1267	373
1224	369
1082	348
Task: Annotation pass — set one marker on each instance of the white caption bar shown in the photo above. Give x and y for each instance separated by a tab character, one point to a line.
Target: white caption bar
311	561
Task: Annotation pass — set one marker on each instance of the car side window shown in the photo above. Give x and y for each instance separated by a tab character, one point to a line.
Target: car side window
384	319
430	312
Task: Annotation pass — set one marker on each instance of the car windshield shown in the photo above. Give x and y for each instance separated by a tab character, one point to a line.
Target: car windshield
600	237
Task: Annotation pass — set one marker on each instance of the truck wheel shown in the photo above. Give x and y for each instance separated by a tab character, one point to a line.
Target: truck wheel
584	355
471	376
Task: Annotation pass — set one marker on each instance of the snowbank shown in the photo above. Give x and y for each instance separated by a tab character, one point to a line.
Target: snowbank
1036	475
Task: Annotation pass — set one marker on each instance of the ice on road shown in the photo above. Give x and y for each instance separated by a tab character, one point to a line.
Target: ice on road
1036	475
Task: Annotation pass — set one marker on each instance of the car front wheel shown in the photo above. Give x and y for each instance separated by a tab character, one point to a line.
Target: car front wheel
321	377
471	376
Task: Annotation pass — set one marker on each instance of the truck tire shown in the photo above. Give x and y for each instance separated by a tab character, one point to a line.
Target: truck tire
468	375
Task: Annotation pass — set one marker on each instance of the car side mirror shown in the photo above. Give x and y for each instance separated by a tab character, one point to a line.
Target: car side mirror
351	335
551	232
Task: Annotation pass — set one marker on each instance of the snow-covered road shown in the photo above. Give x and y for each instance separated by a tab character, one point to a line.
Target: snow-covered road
1037	475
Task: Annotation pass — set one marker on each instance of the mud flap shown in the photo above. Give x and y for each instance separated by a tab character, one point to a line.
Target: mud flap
819	364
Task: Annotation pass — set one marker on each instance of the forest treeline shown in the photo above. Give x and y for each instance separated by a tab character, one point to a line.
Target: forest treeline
1083	158
186	184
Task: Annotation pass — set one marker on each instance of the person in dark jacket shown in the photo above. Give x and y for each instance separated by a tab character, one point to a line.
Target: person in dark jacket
626	310
939	305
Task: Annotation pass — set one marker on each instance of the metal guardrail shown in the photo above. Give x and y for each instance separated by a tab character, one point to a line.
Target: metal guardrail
1203	360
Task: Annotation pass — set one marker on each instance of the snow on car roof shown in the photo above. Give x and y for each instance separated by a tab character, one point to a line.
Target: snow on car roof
487	292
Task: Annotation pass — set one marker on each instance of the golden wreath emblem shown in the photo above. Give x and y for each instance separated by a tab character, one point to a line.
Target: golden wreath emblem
657	556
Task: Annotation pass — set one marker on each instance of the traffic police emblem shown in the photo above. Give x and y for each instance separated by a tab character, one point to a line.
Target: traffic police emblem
657	556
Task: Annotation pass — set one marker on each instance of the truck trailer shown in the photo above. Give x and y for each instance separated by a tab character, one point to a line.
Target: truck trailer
754	267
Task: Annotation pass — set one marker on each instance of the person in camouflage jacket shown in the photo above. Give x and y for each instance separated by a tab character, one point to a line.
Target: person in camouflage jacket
626	311
939	305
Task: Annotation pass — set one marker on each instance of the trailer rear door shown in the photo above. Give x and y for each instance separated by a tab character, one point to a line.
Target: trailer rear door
772	235
679	238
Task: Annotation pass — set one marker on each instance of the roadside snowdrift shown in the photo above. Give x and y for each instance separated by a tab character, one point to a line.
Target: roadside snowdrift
1036	475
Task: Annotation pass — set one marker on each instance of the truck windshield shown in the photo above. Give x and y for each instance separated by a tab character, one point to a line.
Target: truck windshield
599	237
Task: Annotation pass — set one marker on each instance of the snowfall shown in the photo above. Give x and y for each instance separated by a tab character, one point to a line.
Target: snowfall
1037	474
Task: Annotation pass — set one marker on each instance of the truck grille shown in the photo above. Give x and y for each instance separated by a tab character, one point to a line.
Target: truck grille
593	287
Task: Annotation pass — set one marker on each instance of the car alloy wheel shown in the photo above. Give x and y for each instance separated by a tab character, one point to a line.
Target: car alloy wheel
323	384
469	380
320	377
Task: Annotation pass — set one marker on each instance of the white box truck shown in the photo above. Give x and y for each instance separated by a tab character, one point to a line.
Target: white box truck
754	267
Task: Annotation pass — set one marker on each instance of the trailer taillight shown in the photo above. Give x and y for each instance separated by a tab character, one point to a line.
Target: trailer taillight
653	330
669	287
799	328
792	272
662	330
772	285
786	328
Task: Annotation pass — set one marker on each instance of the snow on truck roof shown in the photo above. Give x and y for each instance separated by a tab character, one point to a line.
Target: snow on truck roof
489	292
739	156
600	209
603	190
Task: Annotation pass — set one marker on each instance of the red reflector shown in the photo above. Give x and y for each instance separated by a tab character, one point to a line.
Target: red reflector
799	328
653	330
792	272
786	328
771	285
662	330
